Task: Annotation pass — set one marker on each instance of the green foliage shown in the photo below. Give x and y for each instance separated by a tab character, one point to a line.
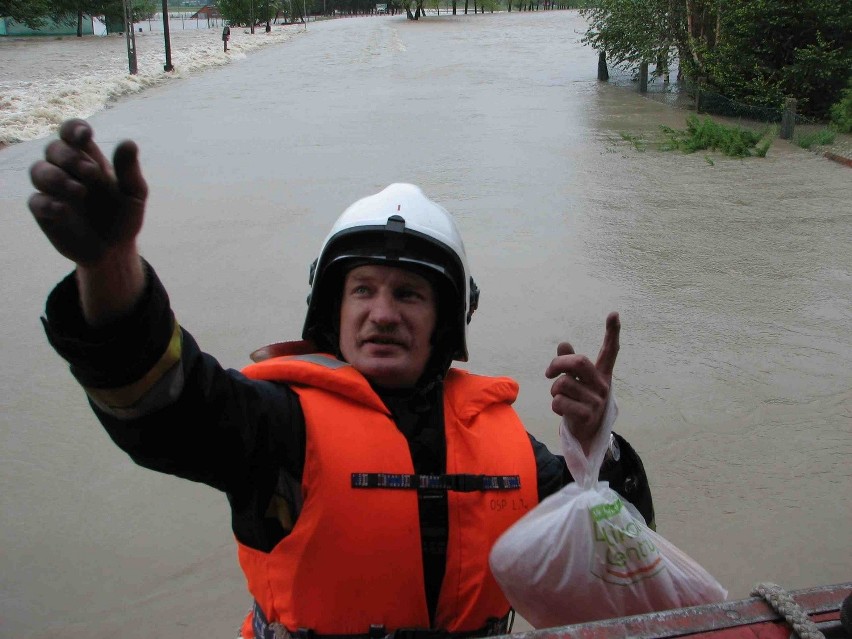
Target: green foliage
771	49
841	111
34	12
701	135
816	138
144	9
244	12
629	32
638	143
69	11
29	12
757	52
762	147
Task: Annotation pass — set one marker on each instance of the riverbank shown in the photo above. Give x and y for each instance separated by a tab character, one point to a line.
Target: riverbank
675	96
44	81
839	151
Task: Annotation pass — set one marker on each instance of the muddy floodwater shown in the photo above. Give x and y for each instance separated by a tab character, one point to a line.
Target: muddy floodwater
733	279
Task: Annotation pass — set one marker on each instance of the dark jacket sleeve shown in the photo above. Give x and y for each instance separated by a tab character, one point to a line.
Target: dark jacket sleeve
626	476
222	429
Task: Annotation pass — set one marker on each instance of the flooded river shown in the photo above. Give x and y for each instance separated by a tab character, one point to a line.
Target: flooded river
733	280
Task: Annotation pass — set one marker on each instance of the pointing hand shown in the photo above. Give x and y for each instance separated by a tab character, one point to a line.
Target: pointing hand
581	390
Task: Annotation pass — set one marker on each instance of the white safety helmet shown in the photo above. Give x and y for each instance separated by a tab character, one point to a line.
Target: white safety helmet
397	227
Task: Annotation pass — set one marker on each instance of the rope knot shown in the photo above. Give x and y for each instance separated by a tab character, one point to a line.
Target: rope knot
782	602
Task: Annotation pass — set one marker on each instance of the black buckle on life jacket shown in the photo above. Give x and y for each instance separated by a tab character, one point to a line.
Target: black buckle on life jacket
464	483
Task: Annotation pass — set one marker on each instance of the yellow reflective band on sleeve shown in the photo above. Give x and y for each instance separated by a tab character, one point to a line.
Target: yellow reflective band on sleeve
129	395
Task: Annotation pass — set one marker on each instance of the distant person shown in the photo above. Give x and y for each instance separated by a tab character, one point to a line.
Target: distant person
368	478
226	35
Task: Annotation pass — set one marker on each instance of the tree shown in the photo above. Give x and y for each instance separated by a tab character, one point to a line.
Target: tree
753	51
769	50
413	9
32	13
69	11
142	9
630	32
237	12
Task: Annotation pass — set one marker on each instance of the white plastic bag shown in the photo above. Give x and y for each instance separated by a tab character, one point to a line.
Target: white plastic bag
584	553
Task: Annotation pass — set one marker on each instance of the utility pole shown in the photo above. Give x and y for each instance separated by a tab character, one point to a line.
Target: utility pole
131	37
168	65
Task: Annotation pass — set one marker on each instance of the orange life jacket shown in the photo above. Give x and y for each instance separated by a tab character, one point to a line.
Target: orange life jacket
353	558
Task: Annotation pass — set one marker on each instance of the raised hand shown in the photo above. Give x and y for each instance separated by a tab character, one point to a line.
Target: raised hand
86	207
581	390
92	211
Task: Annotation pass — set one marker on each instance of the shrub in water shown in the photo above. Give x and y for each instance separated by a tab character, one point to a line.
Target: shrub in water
706	134
806	141
841	112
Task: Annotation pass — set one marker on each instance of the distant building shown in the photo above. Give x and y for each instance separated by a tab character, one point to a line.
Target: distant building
9	27
208	11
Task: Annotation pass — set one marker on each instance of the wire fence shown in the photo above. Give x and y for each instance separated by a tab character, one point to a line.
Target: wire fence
805	131
687	94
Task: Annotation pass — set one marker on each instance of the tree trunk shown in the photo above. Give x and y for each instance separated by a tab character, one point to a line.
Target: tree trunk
718	35
689	9
454	7
603	71
690	32
79	23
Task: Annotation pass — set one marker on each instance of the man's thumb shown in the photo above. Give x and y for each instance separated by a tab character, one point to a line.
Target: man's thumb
609	350
128	172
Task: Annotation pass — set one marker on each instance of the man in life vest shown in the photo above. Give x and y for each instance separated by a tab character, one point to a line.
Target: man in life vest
364	473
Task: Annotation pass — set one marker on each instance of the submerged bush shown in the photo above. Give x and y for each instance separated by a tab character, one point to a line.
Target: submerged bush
825	136
841	112
701	135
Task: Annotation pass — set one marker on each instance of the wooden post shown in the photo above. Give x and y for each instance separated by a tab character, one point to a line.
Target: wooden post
168	65
643	77
603	72
131	38
788	119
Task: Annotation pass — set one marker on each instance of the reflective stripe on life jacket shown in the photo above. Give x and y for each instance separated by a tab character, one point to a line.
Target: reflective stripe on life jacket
353	559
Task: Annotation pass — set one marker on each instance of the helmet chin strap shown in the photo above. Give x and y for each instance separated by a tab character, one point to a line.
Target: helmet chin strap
439	362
